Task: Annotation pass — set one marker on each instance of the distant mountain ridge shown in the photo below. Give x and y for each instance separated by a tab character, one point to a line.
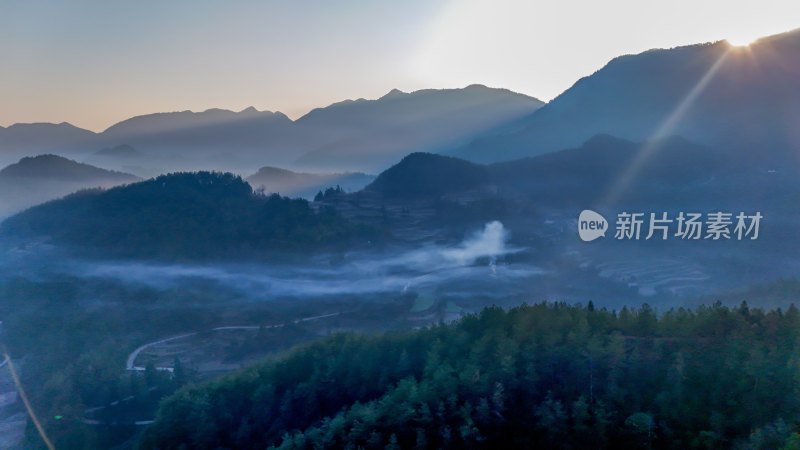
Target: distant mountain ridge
28	139
377	133
174	121
363	135
744	98
217	133
37	179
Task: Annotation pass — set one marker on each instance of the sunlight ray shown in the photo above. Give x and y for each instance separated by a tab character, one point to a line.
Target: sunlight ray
664	130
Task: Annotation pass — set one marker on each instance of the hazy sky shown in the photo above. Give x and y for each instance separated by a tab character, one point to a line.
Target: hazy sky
95	62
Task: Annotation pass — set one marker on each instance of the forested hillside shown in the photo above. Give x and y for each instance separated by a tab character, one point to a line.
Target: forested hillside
540	376
182	216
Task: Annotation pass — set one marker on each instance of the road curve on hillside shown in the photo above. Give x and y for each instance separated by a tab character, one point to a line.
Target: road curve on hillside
130	364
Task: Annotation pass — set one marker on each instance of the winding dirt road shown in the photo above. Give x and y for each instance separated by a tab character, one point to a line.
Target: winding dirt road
130	364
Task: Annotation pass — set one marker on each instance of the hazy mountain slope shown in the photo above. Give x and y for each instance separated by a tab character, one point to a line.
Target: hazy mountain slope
749	102
364	135
428	175
120	151
371	134
350	135
588	174
43	135
306	185
28	139
215	133
582	175
128	159
605	173
34	180
53	167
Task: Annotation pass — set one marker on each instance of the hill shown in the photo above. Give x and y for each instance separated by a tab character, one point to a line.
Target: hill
306	185
540	376
33	180
428	175
590	174
181	216
53	167
580	176
744	99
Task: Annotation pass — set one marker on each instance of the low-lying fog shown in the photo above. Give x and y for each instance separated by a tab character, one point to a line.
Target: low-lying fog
474	266
483	265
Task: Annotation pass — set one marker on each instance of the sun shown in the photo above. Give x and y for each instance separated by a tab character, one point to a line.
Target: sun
741	41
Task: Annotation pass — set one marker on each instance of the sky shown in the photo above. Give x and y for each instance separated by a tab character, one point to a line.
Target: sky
93	63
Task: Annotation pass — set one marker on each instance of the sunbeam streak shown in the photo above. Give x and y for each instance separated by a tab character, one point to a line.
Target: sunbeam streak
664	130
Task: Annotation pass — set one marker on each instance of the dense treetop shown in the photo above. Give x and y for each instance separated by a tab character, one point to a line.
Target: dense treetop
541	376
182	215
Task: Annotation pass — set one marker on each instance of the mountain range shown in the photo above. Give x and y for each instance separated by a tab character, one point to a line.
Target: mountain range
696	107
678	173
745	100
363	135
373	134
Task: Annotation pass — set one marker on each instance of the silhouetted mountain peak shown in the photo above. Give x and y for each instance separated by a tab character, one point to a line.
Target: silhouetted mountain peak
394	93
54	167
427	174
